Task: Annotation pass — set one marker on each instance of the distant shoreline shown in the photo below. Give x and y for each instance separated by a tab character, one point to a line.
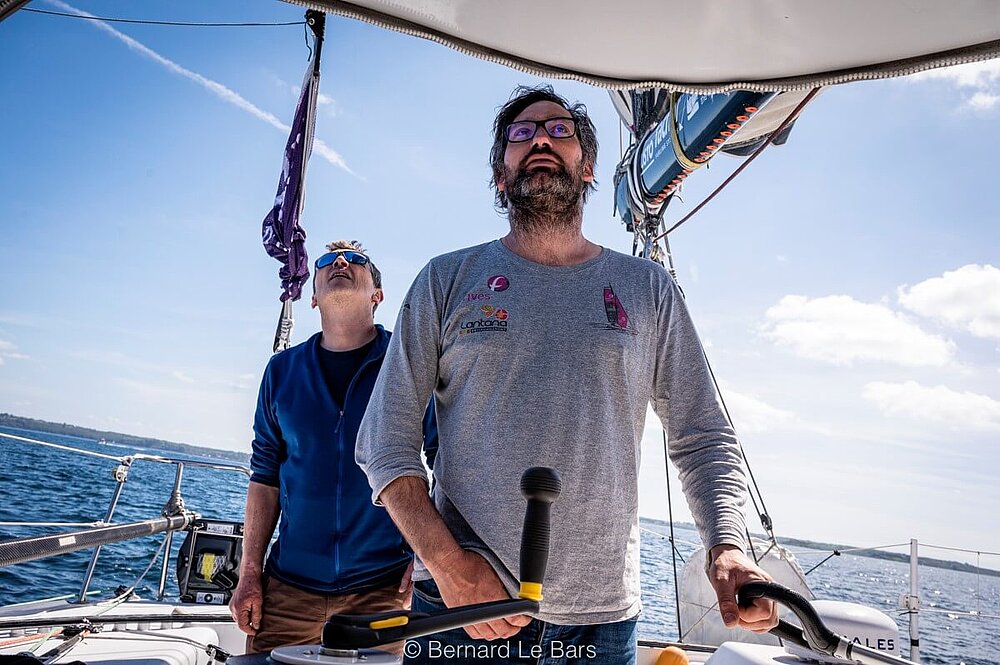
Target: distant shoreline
20	422
127	440
839	550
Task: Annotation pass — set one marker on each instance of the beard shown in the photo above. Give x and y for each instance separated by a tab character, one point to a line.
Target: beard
549	199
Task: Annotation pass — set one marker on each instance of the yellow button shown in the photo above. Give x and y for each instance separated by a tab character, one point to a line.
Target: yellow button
391	622
531	591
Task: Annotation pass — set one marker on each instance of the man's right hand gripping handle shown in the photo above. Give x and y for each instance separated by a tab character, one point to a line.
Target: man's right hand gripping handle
540	486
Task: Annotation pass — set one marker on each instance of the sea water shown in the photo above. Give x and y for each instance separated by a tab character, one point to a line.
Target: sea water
46	484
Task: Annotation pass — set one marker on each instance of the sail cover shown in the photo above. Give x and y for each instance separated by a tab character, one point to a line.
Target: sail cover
696	46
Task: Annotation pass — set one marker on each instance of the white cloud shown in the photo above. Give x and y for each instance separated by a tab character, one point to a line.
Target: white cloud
204	379
982	79
961	410
841	330
984	101
332	108
752	415
216	88
8	351
967	298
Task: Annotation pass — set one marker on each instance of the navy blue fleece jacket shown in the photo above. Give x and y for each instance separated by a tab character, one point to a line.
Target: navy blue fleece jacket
331	539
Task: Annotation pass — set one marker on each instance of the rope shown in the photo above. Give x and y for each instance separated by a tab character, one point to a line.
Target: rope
112	604
128	592
44	638
171	23
29	638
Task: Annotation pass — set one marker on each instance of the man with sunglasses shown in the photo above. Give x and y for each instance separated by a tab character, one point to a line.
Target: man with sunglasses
543	348
335	552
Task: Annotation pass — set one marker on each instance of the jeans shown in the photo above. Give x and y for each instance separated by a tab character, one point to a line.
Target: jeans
538	643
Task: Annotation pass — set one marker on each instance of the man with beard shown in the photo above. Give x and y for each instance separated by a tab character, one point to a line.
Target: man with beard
544	349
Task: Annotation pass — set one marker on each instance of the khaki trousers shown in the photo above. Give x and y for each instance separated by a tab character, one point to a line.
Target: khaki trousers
292	616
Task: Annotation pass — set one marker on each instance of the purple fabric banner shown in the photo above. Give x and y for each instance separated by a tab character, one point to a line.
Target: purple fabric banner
283	238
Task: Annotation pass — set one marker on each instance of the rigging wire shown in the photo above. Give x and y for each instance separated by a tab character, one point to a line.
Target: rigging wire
791	117
673	548
830	556
666	474
170	23
755	494
762	514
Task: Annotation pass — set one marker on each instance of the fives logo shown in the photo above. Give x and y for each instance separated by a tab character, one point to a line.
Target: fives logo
498	283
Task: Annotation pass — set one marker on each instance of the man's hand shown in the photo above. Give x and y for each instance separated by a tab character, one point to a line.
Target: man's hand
406	585
247	603
464	578
730	570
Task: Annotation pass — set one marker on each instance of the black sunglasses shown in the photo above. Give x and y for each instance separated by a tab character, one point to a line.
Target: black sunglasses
349	255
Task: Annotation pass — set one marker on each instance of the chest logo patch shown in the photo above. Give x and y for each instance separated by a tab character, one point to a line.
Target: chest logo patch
492	319
615	312
498	283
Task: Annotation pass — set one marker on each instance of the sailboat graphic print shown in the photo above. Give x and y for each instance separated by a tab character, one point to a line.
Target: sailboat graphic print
617	316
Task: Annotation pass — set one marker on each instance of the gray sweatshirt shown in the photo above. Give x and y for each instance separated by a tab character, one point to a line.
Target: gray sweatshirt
534	365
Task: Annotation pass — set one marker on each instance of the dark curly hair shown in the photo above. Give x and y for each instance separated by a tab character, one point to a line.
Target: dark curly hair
522	98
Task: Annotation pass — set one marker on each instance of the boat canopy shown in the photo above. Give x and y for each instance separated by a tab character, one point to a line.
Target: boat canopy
695	46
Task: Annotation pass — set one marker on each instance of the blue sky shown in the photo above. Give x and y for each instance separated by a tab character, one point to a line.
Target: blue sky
847	285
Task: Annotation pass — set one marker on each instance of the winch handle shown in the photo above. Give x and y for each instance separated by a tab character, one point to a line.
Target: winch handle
814	634
540	486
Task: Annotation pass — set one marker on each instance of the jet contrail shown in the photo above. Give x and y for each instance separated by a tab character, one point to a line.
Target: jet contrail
221	91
